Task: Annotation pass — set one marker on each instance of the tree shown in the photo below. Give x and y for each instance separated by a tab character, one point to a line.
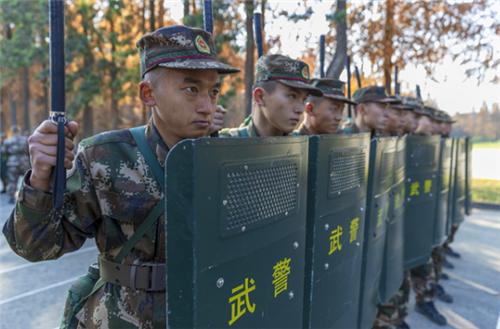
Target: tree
387	33
337	64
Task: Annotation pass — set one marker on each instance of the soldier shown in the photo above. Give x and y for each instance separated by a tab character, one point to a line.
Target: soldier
323	115
392	314
370	115
16	151
280	91
114	191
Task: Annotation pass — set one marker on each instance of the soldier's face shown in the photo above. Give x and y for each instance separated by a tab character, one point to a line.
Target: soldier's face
283	107
393	120
375	116
445	129
424	126
326	116
185	102
410	121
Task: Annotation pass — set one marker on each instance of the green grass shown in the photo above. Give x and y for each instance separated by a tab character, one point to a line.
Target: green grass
487	145
486	191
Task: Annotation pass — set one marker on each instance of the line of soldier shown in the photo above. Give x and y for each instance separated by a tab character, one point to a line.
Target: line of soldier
113	188
14	161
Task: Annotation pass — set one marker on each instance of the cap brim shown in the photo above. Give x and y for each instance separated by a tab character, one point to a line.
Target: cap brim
339	98
302	85
201	64
404	107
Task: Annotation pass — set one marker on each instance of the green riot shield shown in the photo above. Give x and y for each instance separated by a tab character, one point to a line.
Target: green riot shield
459	192
236	217
444	183
468	175
392	271
451	191
422	157
338	172
380	181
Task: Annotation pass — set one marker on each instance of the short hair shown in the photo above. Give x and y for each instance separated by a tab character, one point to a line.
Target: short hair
315	99
153	75
269	86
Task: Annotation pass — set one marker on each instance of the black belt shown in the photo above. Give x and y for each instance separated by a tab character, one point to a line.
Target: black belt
144	276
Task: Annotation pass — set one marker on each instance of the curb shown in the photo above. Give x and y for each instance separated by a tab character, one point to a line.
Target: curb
480	205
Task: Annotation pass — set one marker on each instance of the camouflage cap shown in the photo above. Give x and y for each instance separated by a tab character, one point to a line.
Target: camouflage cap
409	103
433	112
373	94
290	72
332	88
180	47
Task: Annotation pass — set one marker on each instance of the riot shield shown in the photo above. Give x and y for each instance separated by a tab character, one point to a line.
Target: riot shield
422	157
444	183
236	218
380	181
468	175
459	192
392	271
338	172
451	191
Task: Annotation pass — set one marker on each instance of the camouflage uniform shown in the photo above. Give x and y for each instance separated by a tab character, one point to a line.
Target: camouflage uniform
110	191
16	150
291	73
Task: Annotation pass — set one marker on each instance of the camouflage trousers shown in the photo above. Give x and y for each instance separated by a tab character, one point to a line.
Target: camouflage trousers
423	279
451	237
437	261
393	313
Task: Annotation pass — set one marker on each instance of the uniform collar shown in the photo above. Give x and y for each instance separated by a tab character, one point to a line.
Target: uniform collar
156	143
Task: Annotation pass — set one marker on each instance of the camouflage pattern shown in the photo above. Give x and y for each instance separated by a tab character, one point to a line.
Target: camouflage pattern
180	47
290	72
374	94
409	103
423	278
110	190
17	161
333	89
3	164
392	314
438	255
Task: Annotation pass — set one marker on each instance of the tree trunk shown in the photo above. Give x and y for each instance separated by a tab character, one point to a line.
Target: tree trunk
152	15
387	43
88	121
161	12
143	17
26	98
339	58
249	61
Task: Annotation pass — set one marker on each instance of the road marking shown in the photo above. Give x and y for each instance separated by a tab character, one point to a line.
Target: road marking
457	321
474	284
37	291
20	267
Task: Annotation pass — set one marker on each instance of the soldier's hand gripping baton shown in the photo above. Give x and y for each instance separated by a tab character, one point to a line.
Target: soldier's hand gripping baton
57	115
322	56
207	16
358	77
348	67
257	23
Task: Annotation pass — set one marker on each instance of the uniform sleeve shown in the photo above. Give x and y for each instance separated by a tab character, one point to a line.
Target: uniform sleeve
35	231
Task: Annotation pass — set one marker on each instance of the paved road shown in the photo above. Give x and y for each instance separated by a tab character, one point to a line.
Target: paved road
475	281
32	294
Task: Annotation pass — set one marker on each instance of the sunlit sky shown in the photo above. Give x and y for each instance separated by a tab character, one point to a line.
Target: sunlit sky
450	88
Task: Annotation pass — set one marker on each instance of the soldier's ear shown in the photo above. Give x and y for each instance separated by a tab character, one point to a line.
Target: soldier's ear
146	93
309	107
258	96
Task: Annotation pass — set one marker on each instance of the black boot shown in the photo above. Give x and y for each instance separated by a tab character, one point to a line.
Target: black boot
442	294
403	325
429	311
444	276
447	264
450	252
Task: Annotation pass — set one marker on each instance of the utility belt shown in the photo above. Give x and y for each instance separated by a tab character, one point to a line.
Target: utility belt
145	276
